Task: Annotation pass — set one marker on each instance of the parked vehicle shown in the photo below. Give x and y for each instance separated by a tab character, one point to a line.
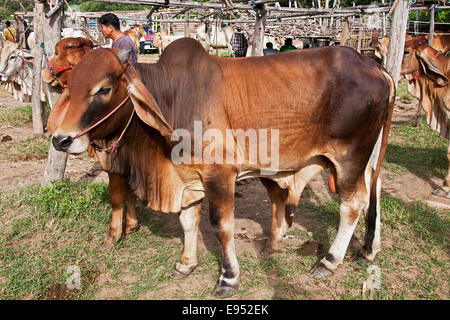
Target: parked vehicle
148	44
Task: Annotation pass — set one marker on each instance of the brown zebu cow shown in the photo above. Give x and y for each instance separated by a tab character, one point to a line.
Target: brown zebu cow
331	106
428	71
68	52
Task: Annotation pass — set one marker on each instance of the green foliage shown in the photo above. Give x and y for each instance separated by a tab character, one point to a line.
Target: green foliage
93	6
4	13
424	15
15	116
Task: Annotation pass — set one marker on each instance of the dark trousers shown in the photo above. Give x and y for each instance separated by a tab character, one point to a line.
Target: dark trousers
239	54
141	47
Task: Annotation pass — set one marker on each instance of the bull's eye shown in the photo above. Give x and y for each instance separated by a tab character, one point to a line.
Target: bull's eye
103	91
12	57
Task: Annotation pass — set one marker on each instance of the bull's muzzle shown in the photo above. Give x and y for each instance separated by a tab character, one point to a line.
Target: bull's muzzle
62	143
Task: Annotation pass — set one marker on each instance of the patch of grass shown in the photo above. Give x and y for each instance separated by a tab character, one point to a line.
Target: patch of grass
29	149
15	116
420	151
46	230
402	91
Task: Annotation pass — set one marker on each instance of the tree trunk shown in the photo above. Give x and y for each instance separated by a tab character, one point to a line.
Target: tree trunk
186	24
207	36
56	163
20	31
397	40
431	36
258	37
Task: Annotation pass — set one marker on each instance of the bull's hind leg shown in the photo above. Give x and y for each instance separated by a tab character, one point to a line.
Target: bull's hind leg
284	200
372	241
190	220
353	201
279	199
219	187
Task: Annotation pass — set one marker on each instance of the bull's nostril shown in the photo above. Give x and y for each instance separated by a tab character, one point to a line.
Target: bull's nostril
62	143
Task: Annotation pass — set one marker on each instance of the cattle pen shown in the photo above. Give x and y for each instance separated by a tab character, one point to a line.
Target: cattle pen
56	207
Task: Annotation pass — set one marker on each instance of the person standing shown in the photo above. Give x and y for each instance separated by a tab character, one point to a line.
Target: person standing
124	26
110	27
239	43
269	49
287	45
9	32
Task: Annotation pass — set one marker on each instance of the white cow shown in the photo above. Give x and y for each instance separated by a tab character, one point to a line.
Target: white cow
162	40
72	33
16	68
219	37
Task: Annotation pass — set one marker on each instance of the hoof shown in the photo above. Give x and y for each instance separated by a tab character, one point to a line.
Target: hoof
441	192
224	291
106	246
130	230
321	271
363	262
269	250
180	271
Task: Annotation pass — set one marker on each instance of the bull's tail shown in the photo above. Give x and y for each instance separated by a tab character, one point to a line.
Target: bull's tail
373	214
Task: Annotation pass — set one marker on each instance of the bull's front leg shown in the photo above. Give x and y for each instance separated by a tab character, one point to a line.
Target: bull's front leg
190	220
119	192
219	187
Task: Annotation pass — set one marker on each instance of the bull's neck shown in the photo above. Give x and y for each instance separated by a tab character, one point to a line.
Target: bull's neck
132	160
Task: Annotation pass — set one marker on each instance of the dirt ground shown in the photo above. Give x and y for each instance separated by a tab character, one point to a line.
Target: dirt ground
253	209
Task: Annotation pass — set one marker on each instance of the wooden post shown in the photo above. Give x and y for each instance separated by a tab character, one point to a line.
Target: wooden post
416	23
20	30
258	36
397	39
345	33
56	163
358	48
186	24
431	36
207	36
36	105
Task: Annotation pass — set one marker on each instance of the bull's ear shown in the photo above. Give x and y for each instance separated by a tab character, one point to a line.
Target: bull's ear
431	68
144	104
58	111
